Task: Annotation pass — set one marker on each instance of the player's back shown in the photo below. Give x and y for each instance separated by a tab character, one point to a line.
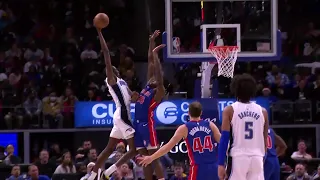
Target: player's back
200	143
145	105
271	146
247	126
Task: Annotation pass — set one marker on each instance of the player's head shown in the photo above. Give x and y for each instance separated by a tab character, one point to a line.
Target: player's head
195	110
115	71
243	87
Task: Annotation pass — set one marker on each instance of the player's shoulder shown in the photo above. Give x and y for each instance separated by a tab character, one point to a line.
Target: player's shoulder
228	109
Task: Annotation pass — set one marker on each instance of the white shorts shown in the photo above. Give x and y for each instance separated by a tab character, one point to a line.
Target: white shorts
121	129
247	168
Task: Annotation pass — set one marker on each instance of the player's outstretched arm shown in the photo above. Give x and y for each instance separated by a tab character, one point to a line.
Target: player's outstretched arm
152	45
158	74
180	133
216	132
266	127
281	146
224	141
109	72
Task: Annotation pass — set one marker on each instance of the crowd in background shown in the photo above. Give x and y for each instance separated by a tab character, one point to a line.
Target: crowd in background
50	58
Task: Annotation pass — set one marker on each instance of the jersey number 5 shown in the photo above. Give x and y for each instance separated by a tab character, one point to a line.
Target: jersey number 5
248	128
199	147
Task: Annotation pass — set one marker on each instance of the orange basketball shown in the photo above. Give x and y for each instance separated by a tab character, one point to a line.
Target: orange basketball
101	20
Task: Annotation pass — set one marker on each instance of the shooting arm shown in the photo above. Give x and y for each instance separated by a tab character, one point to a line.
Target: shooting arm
281	146
152	45
107	59
266	127
180	133
158	75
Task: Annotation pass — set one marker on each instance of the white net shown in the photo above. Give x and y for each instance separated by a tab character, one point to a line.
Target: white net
226	58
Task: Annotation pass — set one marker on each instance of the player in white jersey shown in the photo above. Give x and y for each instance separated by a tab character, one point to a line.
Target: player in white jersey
247	122
122	126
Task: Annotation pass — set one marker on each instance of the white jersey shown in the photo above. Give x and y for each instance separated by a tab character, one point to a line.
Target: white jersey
121	97
247	126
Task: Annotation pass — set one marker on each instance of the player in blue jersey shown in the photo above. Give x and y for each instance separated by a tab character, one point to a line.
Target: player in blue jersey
275	147
145	138
201	138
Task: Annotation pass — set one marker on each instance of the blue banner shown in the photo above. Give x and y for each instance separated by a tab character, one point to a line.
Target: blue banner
175	112
9	138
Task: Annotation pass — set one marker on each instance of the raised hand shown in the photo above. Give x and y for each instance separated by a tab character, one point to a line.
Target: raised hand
153	36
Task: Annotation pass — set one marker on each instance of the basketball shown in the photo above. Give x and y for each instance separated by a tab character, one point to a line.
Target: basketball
101	20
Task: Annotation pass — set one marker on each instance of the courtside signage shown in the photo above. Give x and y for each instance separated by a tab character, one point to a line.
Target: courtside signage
174	112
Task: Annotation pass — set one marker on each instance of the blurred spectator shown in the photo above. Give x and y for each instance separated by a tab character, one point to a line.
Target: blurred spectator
15	78
88	53
14	51
66	166
138	170
33	51
55	153
317	175
117	176
301	153
11	158
121	147
126	172
33	172
302	91
88	170
167	163
15	173
92	156
33	107
82	152
299	173
45	166
92	96
179	172
68	101
52	110
13	112
274	77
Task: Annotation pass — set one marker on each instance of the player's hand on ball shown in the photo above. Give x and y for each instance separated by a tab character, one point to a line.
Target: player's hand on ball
153	36
221	172
101	21
144	160
134	96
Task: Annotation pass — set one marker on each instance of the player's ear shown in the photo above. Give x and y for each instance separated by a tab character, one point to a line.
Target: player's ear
201	113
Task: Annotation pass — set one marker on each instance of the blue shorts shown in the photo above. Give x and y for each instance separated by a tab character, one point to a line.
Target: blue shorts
271	168
145	135
203	172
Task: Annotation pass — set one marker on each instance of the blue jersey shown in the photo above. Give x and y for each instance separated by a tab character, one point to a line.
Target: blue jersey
145	106
271	146
200	143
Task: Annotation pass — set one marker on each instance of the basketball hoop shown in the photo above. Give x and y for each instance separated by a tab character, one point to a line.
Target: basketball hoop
226	58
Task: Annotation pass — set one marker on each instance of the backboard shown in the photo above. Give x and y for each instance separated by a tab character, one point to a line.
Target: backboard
191	25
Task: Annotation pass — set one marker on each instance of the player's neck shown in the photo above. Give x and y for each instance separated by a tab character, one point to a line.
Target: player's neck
195	118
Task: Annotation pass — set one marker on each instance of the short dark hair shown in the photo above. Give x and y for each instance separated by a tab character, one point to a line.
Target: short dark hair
195	109
244	87
179	164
